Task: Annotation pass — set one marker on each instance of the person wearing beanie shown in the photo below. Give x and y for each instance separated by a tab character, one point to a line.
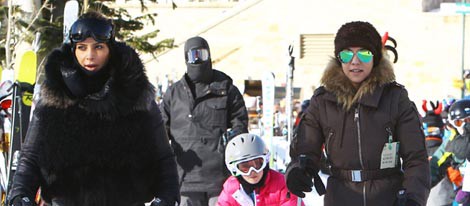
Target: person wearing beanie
96	136
370	129
197	111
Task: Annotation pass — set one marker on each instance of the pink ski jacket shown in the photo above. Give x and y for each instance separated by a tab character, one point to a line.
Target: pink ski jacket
273	193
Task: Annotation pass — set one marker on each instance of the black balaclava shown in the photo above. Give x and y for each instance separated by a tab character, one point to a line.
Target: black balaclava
200	72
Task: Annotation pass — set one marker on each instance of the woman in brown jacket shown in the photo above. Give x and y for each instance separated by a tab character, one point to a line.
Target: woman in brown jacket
373	140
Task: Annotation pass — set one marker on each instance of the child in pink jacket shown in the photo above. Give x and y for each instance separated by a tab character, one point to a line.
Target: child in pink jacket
252	183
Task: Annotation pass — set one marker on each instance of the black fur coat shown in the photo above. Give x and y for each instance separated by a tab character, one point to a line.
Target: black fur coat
107	148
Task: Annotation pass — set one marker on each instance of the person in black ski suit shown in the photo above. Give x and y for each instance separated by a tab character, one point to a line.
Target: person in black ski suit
198	110
97	136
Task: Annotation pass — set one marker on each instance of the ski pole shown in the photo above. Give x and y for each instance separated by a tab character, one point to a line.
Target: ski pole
302	162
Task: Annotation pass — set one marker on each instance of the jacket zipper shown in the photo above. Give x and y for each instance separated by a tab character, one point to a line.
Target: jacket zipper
356	119
192	101
254	197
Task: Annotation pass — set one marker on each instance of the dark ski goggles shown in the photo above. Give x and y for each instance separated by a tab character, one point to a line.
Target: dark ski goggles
197	56
100	30
364	55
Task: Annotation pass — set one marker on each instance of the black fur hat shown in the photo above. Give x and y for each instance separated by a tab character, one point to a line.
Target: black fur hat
359	34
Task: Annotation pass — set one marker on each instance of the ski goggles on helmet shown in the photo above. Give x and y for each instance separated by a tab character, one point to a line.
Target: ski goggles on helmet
197	56
460	122
364	55
100	30
256	163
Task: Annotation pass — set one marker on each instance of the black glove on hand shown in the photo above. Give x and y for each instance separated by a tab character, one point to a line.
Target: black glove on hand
410	202
402	199
299	181
160	202
22	201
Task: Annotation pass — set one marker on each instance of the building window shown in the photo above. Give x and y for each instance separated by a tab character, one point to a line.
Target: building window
316	49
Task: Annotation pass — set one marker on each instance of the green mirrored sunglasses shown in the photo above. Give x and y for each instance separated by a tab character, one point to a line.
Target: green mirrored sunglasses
364	55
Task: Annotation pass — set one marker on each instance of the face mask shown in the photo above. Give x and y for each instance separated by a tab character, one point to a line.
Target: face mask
198	60
200	73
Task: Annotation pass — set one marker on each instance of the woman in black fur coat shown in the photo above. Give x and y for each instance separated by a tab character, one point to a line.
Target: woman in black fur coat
97	136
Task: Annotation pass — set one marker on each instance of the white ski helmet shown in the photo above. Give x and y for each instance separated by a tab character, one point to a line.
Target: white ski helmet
243	148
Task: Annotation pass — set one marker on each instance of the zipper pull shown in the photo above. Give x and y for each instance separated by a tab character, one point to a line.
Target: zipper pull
356	114
390	137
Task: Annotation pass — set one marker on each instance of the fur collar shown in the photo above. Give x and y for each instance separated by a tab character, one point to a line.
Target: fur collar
336	82
127	89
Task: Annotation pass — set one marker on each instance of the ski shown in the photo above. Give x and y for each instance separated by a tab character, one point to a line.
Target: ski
70	16
268	89
37	87
289	97
21	101
7	77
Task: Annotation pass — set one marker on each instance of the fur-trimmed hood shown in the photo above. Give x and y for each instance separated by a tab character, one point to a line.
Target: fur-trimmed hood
127	89
335	81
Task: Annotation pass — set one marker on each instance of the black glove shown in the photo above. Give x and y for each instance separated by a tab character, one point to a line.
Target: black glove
22	201
410	202
402	199
161	202
299	181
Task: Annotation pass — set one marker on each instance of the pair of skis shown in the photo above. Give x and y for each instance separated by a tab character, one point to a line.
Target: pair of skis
22	101
15	123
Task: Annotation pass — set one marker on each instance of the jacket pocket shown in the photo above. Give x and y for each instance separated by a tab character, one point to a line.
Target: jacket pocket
328	141
217	112
325	160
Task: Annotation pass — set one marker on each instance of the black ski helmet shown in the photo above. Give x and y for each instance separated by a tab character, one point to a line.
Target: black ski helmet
92	24
460	109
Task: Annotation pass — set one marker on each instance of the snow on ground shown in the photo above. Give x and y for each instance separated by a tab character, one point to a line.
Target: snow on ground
312	198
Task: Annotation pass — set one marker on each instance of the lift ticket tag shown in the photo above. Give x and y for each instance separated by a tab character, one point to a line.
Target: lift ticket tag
389	155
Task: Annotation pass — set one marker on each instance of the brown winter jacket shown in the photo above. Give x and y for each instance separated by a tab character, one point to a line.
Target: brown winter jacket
354	126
